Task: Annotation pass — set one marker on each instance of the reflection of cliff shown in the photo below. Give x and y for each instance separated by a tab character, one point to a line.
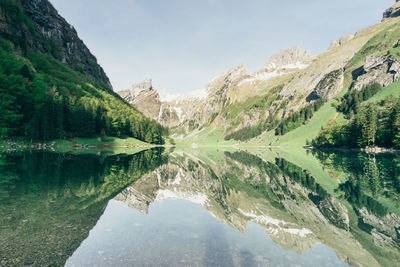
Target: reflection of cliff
296	212
50	202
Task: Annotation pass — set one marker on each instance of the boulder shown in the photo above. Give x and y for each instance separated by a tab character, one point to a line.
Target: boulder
392	12
383	70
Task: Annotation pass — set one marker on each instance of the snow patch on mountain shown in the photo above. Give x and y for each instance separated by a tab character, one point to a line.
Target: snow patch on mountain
270	71
198	198
196	94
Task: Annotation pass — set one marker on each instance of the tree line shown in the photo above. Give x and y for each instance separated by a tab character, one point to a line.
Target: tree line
372	125
43	99
298	118
350	103
283	126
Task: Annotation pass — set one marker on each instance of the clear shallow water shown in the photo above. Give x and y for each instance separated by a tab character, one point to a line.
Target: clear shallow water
180	233
194	208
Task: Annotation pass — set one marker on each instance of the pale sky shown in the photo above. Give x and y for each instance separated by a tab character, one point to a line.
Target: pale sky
183	44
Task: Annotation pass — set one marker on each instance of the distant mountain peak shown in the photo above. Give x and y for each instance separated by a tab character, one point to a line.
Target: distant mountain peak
291	58
142	87
342	40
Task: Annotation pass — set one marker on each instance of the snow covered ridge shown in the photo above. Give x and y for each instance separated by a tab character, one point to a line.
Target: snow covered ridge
277	224
270	71
196	94
197	198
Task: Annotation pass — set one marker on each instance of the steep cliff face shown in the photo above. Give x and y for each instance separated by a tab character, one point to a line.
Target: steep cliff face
36	25
384	70
193	111
392	12
147	99
290	82
144	98
51	86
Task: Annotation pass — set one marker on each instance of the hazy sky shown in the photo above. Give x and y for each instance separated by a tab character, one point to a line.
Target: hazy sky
183	44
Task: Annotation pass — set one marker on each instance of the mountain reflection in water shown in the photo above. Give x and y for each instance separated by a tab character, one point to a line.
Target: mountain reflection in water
200	209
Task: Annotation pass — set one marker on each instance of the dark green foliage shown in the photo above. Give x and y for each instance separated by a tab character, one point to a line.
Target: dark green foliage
368	128
47	100
370	178
193	125
247	133
350	102
293	121
298	118
14	12
302	177
62	196
289	171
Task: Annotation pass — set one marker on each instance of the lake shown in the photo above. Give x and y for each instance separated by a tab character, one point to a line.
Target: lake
199	208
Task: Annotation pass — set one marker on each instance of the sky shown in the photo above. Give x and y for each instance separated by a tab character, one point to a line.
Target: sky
184	44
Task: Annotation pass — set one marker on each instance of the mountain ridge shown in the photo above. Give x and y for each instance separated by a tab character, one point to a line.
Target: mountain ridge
48	32
287	88
51	85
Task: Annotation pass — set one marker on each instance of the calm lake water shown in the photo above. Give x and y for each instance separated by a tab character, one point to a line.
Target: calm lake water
199	208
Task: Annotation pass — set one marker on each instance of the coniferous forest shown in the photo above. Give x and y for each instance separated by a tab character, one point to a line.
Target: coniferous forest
372	125
43	98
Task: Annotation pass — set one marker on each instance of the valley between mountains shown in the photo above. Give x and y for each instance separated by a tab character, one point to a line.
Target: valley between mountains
256	169
292	97
54	93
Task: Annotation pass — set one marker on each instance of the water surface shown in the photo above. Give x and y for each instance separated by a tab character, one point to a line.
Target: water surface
196	208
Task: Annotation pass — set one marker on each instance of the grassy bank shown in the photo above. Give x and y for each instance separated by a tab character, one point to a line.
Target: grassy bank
113	145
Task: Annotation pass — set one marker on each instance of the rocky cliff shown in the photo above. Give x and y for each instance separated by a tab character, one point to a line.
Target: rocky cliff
235	85
392	12
384	70
291	80
147	99
35	25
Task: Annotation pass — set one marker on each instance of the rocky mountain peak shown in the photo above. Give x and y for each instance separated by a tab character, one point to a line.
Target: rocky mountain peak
231	76
141	88
342	40
236	73
45	31
392	12
291	58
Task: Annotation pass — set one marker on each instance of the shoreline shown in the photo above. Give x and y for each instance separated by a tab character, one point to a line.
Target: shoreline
369	150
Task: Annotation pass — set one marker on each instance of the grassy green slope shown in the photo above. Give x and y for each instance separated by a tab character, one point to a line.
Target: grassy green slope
383	38
299	136
44	99
392	90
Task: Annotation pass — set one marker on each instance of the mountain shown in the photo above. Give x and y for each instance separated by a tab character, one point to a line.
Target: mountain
286	200
289	91
61	197
194	109
145	98
43	30
51	85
